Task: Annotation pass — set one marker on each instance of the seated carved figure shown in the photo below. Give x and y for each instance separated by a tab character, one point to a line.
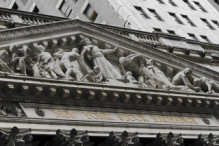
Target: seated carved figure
163	79
93	54
136	64
99	76
206	85
46	62
69	63
183	78
21	60
4	58
159	74
129	78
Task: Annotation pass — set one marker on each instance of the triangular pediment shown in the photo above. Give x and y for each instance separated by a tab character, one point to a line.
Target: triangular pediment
47	52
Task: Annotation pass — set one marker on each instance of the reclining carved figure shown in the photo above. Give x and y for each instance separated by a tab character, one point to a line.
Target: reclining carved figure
183	78
207	85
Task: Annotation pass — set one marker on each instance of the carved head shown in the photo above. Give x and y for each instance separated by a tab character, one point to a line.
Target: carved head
122	60
75	50
150	62
96	69
128	73
40	49
85	41
73	133
14	131
188	71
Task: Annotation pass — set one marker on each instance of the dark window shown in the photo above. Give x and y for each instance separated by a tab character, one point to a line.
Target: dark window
176	18
153	12
157	29
207	23
161	1
192	36
172	3
171	32
188	20
90	13
205	38
35	10
142	12
15	6
216	23
200	6
189	5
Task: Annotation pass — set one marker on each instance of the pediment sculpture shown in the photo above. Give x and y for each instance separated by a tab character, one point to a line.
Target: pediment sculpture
91	60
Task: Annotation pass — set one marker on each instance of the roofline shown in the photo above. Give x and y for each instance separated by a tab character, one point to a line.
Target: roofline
6	10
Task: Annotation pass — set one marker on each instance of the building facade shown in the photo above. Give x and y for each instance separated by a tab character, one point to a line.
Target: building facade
68	82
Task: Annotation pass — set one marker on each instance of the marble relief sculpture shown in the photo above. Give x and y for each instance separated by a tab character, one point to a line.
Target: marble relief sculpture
21	60
85	61
136	64
184	78
206	85
96	55
4	59
47	63
69	63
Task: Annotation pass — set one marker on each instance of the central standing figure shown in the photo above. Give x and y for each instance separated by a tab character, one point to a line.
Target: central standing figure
96	55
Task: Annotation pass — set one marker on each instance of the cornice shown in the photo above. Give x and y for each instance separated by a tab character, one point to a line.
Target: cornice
29	14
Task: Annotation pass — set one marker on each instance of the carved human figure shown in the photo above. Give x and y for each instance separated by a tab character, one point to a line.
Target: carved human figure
46	62
69	63
163	79
4	59
129	78
96	55
183	78
99	76
207	85
158	73
21	59
136	64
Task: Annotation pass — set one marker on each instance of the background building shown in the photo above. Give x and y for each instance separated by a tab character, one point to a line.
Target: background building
192	19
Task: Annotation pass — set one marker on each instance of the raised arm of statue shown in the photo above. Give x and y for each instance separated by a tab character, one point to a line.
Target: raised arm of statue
108	51
188	84
209	86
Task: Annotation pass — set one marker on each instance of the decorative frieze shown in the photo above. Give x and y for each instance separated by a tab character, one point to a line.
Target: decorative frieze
11	110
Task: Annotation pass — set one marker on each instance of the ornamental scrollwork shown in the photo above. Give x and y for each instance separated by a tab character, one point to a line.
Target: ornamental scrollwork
74	138
125	139
15	137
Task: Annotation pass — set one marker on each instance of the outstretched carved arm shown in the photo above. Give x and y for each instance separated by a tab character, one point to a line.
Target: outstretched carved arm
109	51
188	84
209	86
